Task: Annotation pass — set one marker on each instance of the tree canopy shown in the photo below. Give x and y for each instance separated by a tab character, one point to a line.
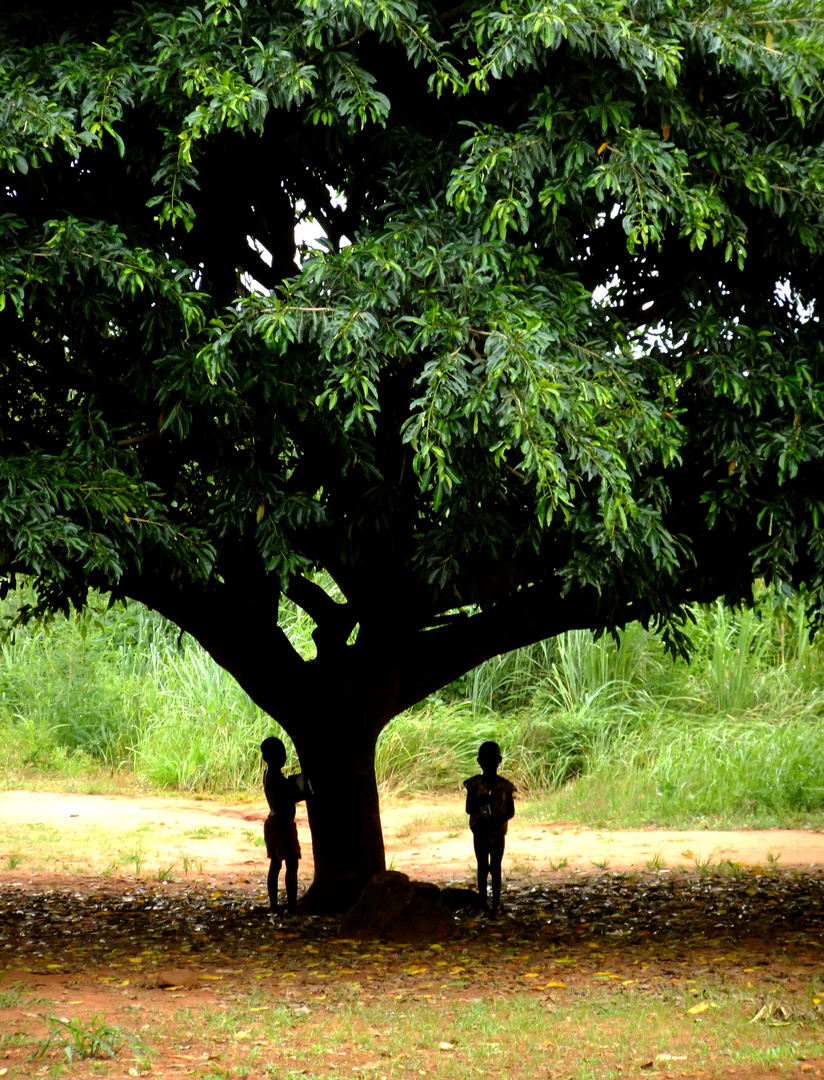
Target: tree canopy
556	361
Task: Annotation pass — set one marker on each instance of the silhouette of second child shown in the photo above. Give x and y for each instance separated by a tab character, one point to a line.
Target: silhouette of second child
490	804
279	829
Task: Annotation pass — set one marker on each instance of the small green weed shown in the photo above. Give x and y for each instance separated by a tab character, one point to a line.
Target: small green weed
522	868
207	832
656	863
136	858
13	861
11	997
733	869
704	866
93	1040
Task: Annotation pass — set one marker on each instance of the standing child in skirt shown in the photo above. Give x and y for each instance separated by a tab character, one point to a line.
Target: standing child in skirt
490	805
279	829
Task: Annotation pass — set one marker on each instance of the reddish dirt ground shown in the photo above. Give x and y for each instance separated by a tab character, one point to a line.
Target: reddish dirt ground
588	912
417	842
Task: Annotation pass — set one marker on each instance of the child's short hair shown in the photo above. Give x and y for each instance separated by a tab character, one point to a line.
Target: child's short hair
489	751
274	752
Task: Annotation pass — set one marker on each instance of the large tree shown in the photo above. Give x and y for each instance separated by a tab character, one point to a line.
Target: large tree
556	364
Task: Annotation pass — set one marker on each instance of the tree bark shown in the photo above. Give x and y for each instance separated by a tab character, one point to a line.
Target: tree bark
344	816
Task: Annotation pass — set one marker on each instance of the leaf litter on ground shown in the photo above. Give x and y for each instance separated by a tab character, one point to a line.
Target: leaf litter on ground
555	943
558	932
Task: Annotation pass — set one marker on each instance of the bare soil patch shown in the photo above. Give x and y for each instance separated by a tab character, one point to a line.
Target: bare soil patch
222	844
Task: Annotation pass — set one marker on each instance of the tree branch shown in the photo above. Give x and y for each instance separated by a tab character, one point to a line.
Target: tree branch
334	622
237	624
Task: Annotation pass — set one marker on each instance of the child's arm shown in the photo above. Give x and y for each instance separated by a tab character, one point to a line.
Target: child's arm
299	786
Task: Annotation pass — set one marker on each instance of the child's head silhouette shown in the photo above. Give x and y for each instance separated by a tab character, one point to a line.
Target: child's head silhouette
274	752
489	755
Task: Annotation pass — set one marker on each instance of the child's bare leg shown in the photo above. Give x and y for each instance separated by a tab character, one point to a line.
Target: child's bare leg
482	855
272	883
496	855
291	883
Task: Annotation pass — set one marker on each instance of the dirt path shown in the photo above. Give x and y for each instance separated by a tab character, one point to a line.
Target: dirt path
46	837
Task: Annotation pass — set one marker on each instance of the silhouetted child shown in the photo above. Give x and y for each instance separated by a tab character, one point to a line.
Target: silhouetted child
490	804
279	829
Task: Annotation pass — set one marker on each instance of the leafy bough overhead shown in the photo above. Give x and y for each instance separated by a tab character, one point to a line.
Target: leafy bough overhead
513	395
556	362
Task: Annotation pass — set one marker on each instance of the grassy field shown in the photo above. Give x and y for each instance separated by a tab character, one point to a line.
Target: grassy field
119	700
605	1036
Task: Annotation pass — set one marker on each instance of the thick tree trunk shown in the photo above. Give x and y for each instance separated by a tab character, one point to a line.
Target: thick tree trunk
344	816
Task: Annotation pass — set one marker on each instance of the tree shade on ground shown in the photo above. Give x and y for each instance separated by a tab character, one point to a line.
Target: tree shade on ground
556	364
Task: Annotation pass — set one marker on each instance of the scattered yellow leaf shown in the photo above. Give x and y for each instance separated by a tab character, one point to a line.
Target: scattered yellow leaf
702	1006
556	984
665	130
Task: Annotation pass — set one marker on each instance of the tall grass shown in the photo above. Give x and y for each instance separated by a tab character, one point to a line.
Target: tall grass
130	693
607	730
